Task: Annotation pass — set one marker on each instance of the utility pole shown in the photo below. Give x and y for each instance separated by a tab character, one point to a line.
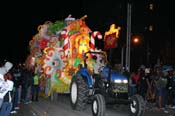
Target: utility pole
122	58
128	37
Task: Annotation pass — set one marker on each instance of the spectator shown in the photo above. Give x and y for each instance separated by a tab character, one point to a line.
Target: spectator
132	85
160	88
136	76
35	88
171	88
6	89
17	83
143	85
3	70
28	82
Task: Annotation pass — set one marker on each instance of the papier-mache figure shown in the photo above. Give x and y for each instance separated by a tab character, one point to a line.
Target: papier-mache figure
100	63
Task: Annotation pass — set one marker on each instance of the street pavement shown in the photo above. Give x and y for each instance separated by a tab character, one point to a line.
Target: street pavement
61	107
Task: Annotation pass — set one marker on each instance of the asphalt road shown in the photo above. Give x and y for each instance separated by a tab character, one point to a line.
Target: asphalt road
61	107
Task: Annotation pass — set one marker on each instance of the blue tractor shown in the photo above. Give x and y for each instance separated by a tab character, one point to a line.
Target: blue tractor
103	86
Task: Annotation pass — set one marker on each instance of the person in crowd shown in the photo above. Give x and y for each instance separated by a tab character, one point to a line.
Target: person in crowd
173	90
6	89
170	88
151	93
4	68
28	82
136	76
19	70
23	84
35	87
142	85
132	85
17	86
161	88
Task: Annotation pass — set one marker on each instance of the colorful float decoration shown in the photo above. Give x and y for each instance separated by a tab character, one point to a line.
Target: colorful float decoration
58	49
111	36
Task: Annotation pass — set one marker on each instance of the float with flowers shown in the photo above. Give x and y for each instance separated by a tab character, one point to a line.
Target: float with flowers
58	49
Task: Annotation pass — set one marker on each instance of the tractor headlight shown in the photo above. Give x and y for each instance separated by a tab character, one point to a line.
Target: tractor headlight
125	81
121	81
117	81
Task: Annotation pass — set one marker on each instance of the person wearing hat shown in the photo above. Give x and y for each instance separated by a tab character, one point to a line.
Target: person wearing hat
4	69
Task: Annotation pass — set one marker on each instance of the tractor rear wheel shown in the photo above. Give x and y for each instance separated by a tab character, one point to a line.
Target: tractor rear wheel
78	93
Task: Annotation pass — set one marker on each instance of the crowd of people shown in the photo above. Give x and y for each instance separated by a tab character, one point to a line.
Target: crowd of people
18	83
156	85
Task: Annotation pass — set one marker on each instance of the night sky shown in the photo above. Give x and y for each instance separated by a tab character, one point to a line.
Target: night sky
19	20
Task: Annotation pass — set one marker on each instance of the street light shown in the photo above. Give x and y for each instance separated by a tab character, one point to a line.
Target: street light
151	6
136	40
150	28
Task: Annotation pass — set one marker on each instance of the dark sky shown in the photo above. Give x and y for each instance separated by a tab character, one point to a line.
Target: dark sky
19	20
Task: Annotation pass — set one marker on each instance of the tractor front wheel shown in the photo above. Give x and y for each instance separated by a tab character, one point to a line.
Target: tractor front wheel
137	105
98	105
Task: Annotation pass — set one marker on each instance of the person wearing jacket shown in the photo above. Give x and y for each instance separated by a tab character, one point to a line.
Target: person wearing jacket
6	89
3	70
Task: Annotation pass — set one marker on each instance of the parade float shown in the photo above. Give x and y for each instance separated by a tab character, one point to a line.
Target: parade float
57	51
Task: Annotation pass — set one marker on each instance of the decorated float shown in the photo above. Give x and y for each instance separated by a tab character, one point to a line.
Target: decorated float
58	49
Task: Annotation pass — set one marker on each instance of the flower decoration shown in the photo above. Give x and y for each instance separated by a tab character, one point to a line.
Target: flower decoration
43	43
52	61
